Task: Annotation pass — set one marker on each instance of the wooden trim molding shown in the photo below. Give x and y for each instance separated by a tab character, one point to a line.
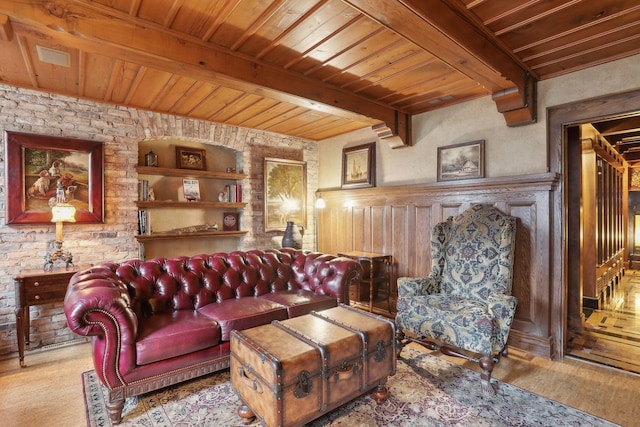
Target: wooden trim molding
397	220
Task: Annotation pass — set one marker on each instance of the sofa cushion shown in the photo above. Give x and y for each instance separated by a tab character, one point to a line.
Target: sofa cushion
300	302
167	335
243	313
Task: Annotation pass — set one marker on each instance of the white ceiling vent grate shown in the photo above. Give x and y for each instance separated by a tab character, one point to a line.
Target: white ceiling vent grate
52	56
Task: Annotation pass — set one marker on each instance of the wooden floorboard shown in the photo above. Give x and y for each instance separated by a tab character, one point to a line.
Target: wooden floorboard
611	335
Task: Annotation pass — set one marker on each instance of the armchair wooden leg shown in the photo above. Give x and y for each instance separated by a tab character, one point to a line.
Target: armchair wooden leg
486	364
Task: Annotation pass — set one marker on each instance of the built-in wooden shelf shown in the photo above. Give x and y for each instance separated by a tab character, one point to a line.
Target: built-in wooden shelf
188	205
189	173
187	235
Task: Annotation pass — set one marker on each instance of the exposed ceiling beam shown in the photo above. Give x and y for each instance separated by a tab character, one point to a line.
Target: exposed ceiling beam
6	31
92	28
618	126
440	29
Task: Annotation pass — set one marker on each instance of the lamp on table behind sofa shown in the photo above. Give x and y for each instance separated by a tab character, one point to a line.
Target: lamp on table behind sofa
61	212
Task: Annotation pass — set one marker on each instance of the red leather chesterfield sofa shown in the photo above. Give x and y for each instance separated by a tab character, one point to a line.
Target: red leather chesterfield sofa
162	321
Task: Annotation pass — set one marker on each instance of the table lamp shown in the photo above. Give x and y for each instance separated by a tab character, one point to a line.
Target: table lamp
61	212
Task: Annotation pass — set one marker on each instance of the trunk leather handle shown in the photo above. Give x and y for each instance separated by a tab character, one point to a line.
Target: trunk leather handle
252	383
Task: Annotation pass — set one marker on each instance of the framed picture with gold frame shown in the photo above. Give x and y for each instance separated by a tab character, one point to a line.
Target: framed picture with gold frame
36	164
285	186
634	179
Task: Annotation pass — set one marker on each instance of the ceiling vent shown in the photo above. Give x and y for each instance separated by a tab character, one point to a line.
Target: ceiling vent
52	56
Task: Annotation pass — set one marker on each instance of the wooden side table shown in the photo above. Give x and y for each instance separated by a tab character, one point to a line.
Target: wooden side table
37	287
377	271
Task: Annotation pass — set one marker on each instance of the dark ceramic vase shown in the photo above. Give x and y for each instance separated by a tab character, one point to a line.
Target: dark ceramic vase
292	237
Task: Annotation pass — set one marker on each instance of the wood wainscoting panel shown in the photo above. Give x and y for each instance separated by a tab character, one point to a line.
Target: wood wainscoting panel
398	220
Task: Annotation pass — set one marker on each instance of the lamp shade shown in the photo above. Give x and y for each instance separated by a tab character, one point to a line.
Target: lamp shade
63	212
320	203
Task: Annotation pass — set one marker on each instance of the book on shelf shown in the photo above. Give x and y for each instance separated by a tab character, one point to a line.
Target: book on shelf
144	222
143	190
234	193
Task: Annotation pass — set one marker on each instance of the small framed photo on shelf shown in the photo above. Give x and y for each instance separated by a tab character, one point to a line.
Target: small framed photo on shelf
230	221
191	158
191	189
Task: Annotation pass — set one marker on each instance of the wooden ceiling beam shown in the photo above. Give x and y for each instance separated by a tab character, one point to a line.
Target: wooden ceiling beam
618	126
6	31
92	28
442	28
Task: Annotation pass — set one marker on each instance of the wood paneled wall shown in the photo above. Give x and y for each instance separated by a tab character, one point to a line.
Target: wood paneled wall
397	220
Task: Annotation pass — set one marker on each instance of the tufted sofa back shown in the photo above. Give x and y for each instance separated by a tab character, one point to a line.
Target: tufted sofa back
186	283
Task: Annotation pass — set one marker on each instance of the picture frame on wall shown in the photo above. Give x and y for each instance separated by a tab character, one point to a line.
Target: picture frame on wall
461	161
191	158
37	163
359	166
634	179
285	186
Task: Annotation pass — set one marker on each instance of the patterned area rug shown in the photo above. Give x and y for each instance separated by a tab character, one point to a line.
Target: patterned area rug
426	391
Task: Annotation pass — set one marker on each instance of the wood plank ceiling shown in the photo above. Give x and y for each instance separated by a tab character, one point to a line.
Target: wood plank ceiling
312	69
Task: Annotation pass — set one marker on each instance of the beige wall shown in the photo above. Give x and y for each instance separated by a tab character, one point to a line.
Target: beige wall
509	151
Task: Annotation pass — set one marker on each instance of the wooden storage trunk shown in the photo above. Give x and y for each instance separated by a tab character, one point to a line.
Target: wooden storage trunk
293	371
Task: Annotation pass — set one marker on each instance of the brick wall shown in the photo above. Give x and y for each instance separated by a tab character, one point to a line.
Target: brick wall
120	129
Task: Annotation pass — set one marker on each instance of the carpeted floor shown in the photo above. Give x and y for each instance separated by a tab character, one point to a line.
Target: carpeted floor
426	391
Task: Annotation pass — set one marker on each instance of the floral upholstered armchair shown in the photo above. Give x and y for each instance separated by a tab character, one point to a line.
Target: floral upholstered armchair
464	307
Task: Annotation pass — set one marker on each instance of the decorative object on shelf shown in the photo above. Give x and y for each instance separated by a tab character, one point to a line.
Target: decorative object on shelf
292	236
151	159
285	186
191	158
195	229
231	170
230	221
39	163
191	189
461	161
223	196
359	166
61	212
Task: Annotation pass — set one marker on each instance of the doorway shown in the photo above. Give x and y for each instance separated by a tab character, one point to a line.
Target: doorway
601	325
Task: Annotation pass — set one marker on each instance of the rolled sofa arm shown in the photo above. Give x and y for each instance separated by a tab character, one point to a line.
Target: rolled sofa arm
326	274
97	304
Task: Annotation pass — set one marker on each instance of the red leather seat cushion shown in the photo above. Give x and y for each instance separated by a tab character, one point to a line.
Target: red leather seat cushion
243	313
300	302
167	335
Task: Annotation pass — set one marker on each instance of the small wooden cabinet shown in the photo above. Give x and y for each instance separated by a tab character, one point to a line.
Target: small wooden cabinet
37	287
376	275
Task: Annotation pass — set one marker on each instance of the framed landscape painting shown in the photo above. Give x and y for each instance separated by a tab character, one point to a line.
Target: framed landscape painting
358	166
36	164
285	186
461	161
